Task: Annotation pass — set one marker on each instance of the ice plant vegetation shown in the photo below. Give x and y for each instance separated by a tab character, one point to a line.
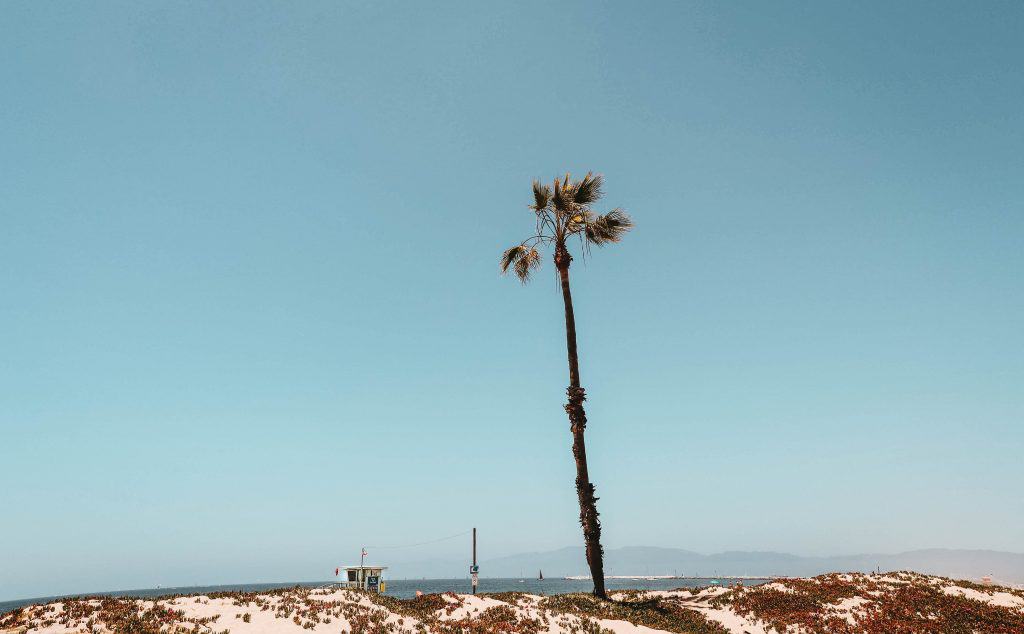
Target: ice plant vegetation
563	212
851	603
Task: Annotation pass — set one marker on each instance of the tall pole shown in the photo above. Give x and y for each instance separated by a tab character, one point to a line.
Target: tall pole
362	573
474	560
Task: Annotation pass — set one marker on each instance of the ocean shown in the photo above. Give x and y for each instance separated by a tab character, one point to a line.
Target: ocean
406	588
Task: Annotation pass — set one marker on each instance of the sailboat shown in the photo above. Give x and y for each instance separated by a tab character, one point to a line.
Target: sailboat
540	575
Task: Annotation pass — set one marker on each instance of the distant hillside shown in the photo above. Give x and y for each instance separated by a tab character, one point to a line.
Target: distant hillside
644	560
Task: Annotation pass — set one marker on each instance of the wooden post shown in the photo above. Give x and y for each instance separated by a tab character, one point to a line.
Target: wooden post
474	560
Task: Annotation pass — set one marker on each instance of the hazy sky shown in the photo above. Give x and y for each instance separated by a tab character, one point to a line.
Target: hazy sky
251	317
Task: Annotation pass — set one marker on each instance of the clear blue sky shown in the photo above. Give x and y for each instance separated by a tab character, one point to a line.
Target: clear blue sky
250	313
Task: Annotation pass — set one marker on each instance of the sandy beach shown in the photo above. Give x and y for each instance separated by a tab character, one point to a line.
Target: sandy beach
845	603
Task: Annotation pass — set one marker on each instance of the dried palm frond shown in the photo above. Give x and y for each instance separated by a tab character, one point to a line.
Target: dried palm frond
588	190
526	263
577	221
541	195
609	228
563	195
510	256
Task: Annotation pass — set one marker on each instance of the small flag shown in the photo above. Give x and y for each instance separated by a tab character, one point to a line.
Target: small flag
364	552
336	571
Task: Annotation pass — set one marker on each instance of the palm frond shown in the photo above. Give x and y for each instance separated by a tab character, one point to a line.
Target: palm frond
609	228
510	256
588	190
562	197
541	195
526	264
578	221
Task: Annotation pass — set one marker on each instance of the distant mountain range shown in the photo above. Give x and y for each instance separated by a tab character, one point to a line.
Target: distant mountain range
645	560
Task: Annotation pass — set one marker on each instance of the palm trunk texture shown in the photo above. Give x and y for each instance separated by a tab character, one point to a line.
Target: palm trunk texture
577	425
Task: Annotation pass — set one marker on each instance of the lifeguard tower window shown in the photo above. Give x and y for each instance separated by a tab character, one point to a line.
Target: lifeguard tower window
351	575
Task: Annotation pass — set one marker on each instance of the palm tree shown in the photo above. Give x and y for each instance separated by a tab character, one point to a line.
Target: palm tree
562	212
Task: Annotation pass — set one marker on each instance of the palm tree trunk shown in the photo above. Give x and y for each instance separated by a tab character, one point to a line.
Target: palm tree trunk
577	424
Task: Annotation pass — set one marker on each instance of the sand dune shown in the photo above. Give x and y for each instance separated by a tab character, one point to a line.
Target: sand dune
847	603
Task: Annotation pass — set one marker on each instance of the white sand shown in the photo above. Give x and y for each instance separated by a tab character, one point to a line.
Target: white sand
333	611
1004	599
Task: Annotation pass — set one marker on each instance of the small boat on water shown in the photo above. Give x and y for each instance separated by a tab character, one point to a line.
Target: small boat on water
540	575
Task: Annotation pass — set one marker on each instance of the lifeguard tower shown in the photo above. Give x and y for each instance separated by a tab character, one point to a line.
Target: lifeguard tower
362	578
